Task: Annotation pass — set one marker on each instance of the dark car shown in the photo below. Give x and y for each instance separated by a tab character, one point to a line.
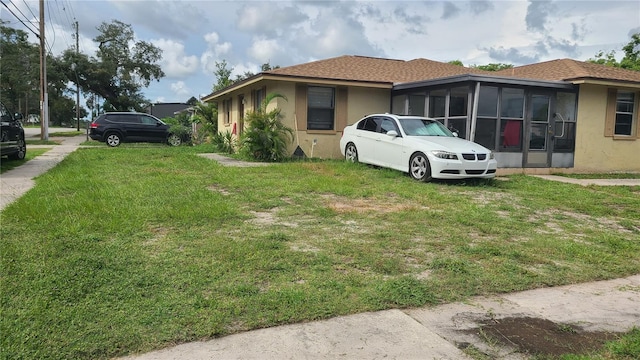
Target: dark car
117	127
13	144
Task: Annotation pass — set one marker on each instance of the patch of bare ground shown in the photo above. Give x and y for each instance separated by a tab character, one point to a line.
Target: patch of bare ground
219	189
541	337
262	218
344	205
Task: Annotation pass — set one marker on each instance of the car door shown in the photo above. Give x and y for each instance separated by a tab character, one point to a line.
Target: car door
366	138
152	129
10	131
389	148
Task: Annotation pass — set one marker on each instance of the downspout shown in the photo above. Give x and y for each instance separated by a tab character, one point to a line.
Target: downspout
474	112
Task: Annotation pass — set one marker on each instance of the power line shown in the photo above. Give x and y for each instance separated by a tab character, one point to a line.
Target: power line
36	33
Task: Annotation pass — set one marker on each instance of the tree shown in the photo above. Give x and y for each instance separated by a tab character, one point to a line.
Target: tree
20	85
120	69
456	62
223	76
493	67
630	60
266	137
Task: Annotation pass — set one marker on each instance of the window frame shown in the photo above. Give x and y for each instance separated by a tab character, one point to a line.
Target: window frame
318	110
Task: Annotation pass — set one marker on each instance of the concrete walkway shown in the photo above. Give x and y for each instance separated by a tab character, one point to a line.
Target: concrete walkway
587	182
17	181
427	333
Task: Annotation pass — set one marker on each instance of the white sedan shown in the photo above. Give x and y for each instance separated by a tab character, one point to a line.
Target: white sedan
420	146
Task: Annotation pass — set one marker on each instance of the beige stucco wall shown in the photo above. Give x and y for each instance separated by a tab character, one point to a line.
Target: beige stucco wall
361	102
594	151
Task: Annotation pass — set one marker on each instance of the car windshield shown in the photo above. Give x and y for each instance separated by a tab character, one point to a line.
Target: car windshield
424	127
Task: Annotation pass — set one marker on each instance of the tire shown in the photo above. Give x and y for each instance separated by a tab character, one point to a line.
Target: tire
174	140
351	153
22	151
113	139
419	167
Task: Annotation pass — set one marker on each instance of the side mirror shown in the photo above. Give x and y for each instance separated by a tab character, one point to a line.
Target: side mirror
455	134
17	116
392	133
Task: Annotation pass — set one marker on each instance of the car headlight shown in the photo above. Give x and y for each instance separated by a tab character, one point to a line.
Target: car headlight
444	155
492	155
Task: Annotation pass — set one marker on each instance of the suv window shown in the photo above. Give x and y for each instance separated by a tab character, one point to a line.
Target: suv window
148	120
5	114
123	118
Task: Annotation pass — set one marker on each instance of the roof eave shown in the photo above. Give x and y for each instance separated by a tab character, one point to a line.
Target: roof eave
484	79
604	82
295	78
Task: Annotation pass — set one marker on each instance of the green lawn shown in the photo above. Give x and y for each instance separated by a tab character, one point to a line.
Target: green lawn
130	249
7	164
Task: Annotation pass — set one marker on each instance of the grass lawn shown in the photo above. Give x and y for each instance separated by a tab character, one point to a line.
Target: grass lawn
6	164
130	249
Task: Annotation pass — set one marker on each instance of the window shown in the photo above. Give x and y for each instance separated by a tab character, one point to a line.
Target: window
398	105
148	120
226	106
512	104
437	103
458	101
621	121
565	118
488	101
258	98
416	105
624	113
388	125
320	108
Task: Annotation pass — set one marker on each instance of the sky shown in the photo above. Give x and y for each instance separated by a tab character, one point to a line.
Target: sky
195	34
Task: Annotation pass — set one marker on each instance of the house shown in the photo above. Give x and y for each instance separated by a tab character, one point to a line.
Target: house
163	110
562	115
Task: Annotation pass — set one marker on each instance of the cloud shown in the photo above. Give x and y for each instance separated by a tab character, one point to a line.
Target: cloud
414	23
215	52
450	10
172	19
480	6
264	50
268	19
537	13
334	32
180	89
511	56
175	63
578	30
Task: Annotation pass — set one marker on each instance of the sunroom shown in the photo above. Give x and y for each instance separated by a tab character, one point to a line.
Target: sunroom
527	123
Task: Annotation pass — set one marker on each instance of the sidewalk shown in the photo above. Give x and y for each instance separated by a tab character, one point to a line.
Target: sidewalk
435	333
17	181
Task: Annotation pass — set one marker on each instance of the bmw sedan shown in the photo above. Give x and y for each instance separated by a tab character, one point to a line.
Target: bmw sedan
420	146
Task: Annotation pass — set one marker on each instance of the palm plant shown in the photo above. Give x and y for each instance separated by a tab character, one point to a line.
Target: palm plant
266	137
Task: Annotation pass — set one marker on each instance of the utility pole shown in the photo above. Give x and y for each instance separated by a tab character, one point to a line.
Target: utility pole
44	96
77	85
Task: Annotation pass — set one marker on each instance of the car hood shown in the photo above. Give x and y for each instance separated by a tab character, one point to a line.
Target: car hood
453	144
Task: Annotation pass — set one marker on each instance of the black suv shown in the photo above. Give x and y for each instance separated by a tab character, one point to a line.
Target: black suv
12	141
116	127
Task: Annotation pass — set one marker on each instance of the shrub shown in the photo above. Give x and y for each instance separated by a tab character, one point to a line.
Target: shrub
266	137
225	143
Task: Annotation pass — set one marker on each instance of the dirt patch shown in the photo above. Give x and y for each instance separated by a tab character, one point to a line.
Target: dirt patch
540	337
345	205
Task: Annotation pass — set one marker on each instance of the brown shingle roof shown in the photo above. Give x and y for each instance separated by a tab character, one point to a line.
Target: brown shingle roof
568	70
361	68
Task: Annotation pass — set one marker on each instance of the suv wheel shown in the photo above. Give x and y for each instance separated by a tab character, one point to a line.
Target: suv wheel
174	140
22	151
112	139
